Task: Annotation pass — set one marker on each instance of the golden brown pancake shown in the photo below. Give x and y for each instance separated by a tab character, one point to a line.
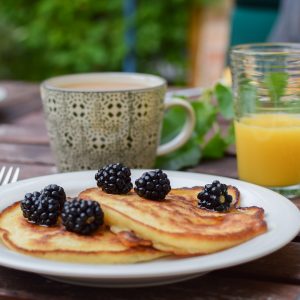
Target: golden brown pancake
58	244
176	224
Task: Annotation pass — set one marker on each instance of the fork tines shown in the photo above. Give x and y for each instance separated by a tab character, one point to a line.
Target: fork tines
9	176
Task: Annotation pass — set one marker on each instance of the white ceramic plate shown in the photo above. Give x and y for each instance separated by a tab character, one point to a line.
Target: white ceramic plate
282	216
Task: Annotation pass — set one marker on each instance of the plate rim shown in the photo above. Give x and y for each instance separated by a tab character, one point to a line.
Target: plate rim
135	273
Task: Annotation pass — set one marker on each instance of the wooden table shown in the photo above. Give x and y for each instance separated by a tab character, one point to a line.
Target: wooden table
24	143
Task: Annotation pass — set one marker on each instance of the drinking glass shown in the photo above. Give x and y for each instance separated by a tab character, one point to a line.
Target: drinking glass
266	87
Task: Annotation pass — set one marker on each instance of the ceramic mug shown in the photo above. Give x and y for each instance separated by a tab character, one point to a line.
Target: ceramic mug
99	118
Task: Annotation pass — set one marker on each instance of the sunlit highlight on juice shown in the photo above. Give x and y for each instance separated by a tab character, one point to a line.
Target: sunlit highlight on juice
268	149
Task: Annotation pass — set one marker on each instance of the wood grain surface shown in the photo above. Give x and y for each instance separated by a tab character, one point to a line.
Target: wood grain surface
24	143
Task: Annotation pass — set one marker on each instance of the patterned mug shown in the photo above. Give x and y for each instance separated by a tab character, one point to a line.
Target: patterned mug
99	118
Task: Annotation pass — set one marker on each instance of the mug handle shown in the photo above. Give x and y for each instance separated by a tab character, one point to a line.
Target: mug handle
186	130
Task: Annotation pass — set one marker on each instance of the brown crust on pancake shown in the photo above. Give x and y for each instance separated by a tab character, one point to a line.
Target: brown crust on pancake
129	239
221	235
189	230
44	237
175	225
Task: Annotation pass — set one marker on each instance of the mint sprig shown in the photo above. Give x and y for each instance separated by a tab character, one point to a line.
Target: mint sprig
207	140
276	83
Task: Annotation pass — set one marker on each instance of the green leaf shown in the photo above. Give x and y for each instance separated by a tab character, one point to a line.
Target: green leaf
172	123
248	100
276	83
206	119
215	147
225	100
230	137
187	155
206	115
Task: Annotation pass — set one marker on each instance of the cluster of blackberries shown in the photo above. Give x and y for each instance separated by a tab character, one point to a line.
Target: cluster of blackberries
45	207
215	197
82	216
153	185
116	179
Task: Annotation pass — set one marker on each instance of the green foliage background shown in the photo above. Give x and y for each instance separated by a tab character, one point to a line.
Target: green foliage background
42	38
208	141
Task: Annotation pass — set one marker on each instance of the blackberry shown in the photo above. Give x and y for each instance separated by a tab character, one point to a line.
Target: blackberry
82	216
114	179
40	209
215	197
56	192
153	185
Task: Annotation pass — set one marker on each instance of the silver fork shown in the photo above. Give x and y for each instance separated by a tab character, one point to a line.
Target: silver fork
10	176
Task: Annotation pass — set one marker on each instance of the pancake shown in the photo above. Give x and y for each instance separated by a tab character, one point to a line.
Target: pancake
56	243
176	224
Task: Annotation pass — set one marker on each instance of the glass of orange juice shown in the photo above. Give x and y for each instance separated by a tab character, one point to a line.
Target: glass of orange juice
266	87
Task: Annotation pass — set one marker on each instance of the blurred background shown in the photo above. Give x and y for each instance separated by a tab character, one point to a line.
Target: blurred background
185	41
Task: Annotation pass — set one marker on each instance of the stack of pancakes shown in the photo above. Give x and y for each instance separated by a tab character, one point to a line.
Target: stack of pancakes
137	229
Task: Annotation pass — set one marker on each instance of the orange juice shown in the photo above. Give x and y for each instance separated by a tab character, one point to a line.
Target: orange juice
268	149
